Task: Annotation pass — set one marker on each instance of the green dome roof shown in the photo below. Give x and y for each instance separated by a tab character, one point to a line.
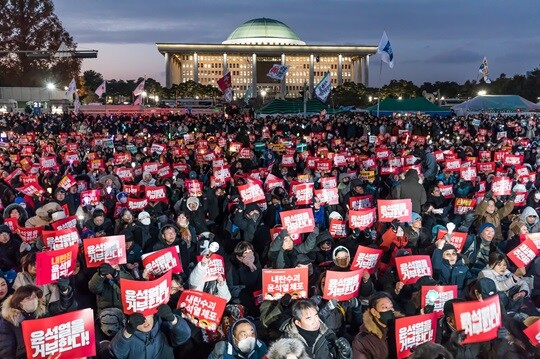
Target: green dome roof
263	31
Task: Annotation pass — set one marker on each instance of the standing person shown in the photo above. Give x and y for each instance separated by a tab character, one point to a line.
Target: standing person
411	188
319	341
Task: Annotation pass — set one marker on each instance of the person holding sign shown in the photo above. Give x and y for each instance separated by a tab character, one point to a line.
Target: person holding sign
151	336
283	252
448	266
478	251
488	212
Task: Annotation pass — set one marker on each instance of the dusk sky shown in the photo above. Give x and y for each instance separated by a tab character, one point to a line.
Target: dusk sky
432	40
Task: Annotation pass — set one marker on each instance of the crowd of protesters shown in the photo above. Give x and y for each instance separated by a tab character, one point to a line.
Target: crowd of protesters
92	149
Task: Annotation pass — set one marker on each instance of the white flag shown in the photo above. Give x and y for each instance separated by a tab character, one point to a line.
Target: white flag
387	55
138	101
72	88
139	89
323	88
278	72
101	89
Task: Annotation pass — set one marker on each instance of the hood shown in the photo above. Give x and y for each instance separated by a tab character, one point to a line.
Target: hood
341	249
15	316
22	211
47	210
193	200
323	237
283	347
230	338
528	211
412	175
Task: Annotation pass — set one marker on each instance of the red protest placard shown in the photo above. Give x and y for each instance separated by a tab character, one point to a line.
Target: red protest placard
521	199
277	282
61	239
159	262
156	194
512	160
464	205
361	219
328	195
390	209
151	167
486	167
137	205
337	228
452	165
145	296
328	182
194	187
101	250
533	333
298	220
524	253
11	223
251	192
304	193
29	235
366	258
91	196
214	268
324	166
468	173
342	285
360	202
501	186
31	189
440	294
65	223
48	163
479	319
447	191
67	181
412	331
410	268
52	265
71	334
202	309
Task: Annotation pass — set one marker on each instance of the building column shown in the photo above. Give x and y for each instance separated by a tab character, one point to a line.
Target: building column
176	73
255	91
195	67
356	71
283	85
179	69
168	70
311	75
339	70
225	64
365	71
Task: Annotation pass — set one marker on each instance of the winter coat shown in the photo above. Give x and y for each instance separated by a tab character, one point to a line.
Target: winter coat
529	211
186	253
494	218
370	342
504	282
10	253
226	349
197	282
23	215
43	215
410	188
11	337
322	348
285	259
108	290
446	274
156	344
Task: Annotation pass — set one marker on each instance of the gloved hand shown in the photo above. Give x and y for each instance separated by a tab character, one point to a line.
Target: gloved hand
502	333
106	269
316	299
332	304
285	300
353	302
488	195
343	348
165	313
457	337
63	284
512	196
134	321
356	233
241	206
429	308
395	225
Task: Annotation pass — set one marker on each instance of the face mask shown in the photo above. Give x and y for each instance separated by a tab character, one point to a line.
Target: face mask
247	345
30	306
123	200
537	196
386	317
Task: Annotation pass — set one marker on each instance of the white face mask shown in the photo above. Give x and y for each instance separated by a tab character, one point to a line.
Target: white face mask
537	196
30	306
247	345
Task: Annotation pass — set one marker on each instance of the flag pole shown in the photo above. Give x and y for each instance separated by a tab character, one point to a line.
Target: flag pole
379	96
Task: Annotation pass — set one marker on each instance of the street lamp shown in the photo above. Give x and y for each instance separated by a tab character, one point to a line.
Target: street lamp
144	94
263	94
50	86
482	93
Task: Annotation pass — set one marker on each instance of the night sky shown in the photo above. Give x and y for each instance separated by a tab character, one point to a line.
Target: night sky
432	40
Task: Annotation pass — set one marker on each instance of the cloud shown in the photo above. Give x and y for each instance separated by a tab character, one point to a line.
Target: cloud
454	56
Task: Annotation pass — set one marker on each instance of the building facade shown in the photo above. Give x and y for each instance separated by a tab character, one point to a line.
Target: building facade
253	48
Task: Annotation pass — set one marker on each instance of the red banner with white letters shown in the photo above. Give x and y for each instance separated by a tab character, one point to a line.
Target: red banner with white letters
366	258
342	285
501	186
69	335
277	282
400	209
111	249
156	194
337	228
412	331
328	196
30	235
65	223
524	253
298	220
479	319
159	262
533	333
137	205
215	267
251	192
362	219
145	296
437	295
61	239
202	309
92	197
411	268
52	265
361	202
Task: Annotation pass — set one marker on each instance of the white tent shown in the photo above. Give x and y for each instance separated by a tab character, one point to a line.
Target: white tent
496	103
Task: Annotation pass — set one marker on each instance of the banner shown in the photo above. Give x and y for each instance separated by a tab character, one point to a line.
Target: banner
30	235
91	196
362	219
65	223
278	72
202	309
323	88
457	239
251	192
52	265
464	205
61	239
412	331
328	182
447	191
277	282
411	268
214	268
468	173
194	188
304	193
479	319
159	262
137	205
366	258
69	335
501	186
298	220
328	196
400	209
524	253
31	189
145	296
156	194
532	332
437	295
101	250
342	285
337	228
361	202
225	85
67	181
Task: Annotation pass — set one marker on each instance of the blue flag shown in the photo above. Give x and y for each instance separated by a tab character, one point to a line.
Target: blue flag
385	49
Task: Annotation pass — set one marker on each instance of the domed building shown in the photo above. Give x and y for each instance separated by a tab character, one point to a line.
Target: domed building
250	51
